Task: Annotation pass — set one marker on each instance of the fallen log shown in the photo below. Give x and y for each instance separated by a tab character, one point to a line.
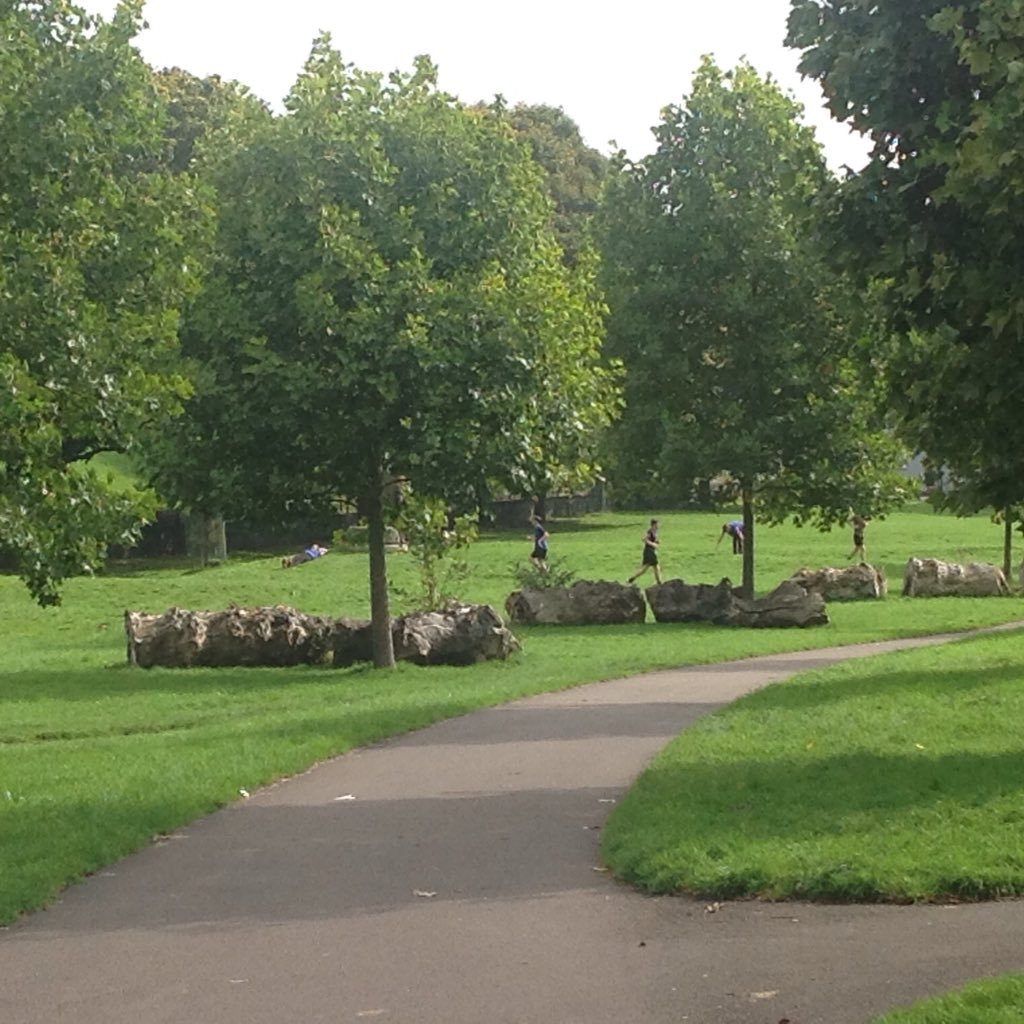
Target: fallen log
587	603
281	636
454	635
848	583
789	605
930	577
178	638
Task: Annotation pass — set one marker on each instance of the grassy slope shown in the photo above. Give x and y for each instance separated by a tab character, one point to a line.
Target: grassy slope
95	758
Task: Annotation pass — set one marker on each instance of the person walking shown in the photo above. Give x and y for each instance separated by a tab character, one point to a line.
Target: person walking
733	529
649	560
540	544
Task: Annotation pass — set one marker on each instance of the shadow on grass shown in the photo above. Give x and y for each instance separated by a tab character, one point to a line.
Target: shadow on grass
930	682
819	828
123	680
120	568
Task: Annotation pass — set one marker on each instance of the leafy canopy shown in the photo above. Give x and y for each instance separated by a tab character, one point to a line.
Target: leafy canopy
935	219
100	247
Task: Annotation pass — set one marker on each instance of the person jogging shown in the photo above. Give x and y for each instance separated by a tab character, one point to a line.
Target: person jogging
540	544
649	559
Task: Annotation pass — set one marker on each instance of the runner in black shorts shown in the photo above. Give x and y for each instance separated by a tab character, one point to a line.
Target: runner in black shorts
650	555
859	524
540	544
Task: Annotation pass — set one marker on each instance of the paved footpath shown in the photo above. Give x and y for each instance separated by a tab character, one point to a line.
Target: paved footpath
448	877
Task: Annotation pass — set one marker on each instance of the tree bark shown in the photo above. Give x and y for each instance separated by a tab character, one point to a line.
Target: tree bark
206	537
1008	543
380	609
747	587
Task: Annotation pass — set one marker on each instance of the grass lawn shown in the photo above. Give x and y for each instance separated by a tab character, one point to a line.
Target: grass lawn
893	778
994	1001
96	758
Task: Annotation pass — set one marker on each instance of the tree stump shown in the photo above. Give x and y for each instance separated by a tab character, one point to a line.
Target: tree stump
930	577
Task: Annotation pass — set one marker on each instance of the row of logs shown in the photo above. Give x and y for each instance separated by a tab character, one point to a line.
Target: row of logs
467	634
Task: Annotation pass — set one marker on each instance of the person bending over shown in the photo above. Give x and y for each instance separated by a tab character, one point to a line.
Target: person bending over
734	530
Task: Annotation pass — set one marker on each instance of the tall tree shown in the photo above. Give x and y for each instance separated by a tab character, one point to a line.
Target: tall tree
574	172
203	113
99	249
936	217
388	303
734	335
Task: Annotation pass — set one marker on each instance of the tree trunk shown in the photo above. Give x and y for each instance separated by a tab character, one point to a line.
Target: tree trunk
1008	543
540	506
747	587
380	609
206	538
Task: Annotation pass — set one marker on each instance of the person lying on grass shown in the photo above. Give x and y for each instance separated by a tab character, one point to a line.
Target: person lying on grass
313	551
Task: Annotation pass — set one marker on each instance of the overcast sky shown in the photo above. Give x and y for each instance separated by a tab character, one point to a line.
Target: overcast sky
610	67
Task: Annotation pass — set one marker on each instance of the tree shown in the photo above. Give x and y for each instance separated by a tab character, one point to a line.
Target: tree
387	303
99	250
734	335
574	172
203	113
935	219
573	419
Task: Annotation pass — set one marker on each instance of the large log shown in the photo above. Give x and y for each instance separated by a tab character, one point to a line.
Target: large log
281	636
847	583
789	605
587	603
278	636
930	577
454	635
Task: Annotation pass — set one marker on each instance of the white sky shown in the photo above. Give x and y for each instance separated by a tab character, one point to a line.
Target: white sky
611	68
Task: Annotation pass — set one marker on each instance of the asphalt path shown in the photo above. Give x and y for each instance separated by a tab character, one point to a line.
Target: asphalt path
452	876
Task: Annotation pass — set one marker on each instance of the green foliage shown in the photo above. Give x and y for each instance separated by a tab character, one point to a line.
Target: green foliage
736	336
100	249
431	537
886	779
204	115
529	575
934	220
575	173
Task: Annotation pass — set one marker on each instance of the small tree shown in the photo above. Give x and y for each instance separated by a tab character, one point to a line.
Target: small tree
735	335
432	537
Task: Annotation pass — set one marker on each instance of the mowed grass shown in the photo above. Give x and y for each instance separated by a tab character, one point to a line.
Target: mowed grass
993	1001
895	778
96	758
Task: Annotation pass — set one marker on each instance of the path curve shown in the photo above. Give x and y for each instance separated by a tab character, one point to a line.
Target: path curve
459	887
